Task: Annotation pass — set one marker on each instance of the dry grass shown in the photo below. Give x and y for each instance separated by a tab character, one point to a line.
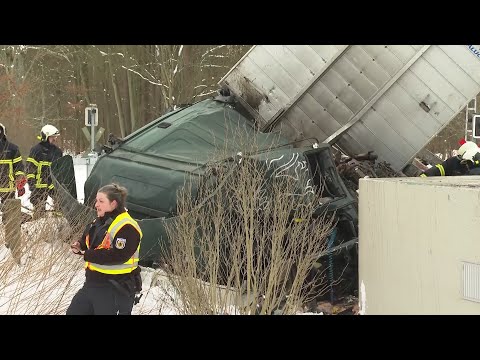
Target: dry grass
247	243
38	274
41	276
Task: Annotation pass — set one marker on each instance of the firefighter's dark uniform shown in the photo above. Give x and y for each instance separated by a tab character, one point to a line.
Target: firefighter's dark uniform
450	167
38	173
112	275
11	166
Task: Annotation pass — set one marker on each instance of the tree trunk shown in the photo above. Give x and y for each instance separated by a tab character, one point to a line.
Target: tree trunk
132	98
43	102
84	79
117	100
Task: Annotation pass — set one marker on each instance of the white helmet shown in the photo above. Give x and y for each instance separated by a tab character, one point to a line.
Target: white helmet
48	130
471	155
466	146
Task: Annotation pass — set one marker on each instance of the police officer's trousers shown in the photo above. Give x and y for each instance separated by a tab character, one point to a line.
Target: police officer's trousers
100	299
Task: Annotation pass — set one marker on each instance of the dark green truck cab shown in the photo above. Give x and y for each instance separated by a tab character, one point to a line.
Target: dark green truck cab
156	161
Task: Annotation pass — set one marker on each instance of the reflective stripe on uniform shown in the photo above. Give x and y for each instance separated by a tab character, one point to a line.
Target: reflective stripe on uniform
33	161
11	178
442	170
39	165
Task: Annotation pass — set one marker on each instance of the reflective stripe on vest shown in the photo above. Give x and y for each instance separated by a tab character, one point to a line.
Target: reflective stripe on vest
38	176
441	169
129	265
11	179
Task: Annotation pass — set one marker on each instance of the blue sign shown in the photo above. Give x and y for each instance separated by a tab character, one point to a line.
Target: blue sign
474	50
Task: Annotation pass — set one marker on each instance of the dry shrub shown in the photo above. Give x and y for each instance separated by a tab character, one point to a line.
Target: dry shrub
247	240
40	274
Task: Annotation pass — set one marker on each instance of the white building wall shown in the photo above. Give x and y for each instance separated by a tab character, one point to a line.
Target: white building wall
416	235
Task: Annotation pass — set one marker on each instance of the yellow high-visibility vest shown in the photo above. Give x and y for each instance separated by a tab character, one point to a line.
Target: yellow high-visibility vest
129	265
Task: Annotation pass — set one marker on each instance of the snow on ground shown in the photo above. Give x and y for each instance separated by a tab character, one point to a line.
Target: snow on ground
45	275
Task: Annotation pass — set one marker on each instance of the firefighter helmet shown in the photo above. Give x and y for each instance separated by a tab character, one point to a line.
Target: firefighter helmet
47	131
466	146
472	155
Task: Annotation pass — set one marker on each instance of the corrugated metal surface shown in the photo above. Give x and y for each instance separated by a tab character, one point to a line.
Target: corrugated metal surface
270	76
362	97
471	281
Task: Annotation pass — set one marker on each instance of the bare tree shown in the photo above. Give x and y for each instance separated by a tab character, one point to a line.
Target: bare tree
185	73
131	85
247	240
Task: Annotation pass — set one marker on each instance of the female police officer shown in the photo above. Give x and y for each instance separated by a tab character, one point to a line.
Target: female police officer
110	246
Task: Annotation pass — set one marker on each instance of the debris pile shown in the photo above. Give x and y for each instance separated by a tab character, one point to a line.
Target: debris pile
353	168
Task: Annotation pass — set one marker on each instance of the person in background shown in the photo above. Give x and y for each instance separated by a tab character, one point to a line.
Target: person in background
110	246
38	164
471	159
453	166
12	176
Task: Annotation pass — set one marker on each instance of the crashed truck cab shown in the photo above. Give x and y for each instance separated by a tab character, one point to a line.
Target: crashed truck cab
155	161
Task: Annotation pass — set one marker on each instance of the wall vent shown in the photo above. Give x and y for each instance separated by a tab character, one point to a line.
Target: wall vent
471	281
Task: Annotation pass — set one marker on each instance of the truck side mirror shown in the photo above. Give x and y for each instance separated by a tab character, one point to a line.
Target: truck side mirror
476	127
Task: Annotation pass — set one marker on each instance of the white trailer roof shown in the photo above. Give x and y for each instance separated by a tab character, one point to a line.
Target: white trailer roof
392	99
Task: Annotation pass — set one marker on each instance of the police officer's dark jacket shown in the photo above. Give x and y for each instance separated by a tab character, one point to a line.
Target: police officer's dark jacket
124	245
11	165
38	165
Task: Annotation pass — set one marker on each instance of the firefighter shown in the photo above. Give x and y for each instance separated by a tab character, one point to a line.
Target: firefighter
11	169
453	166
38	168
471	159
110	246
